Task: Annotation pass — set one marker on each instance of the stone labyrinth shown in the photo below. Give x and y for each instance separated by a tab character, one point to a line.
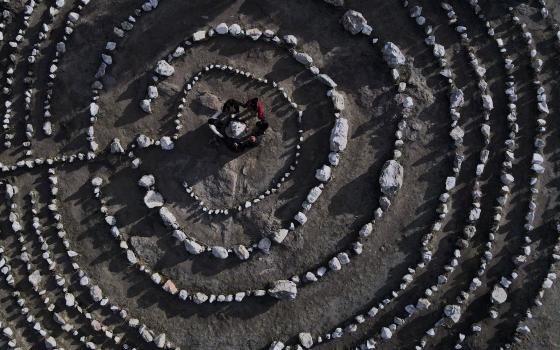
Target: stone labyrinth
404	195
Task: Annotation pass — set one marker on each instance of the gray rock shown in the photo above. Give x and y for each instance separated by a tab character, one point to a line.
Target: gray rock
314	194
306	340
193	247
439	50
69	299
280	235
290	40
254	33
159	341
339	135
96	293
166	143
199	35
337	99
167	217
457	134
221	28
93	109
456	98
391	178
327	80
235	29
147	181
393	55
219	252
353	21
499	295
144	141
116	146
153	91
200	298
386	333
303	58
153	199
35	278
487	102
277	345
50	343
453	312
146	105
164	69
47	128
323	174
241	252
283	290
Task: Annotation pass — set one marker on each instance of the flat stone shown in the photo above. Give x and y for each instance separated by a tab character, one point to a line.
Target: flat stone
283	290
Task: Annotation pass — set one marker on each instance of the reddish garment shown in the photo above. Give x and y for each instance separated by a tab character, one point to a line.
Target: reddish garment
260	109
256	105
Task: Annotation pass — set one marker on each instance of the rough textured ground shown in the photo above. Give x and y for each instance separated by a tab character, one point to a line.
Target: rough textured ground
222	178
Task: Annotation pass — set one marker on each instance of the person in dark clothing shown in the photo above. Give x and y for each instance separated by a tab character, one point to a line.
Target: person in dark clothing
249	141
232	106
256	105
227	126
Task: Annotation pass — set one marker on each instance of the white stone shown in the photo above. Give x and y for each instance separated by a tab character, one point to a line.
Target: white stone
353	21
339	135
167	217
453	312
499	295
147	181
323	174
391	178
221	28
193	247
164	69
393	55
219	252
283	290
153	199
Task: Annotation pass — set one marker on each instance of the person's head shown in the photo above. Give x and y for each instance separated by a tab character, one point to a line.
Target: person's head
252	103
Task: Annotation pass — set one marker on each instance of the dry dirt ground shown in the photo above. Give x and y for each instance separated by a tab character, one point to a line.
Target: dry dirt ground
224	179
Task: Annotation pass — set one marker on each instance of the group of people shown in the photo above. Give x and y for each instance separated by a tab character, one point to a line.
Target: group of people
228	126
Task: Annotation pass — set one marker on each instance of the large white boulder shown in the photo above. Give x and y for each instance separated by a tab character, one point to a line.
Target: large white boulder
391	178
